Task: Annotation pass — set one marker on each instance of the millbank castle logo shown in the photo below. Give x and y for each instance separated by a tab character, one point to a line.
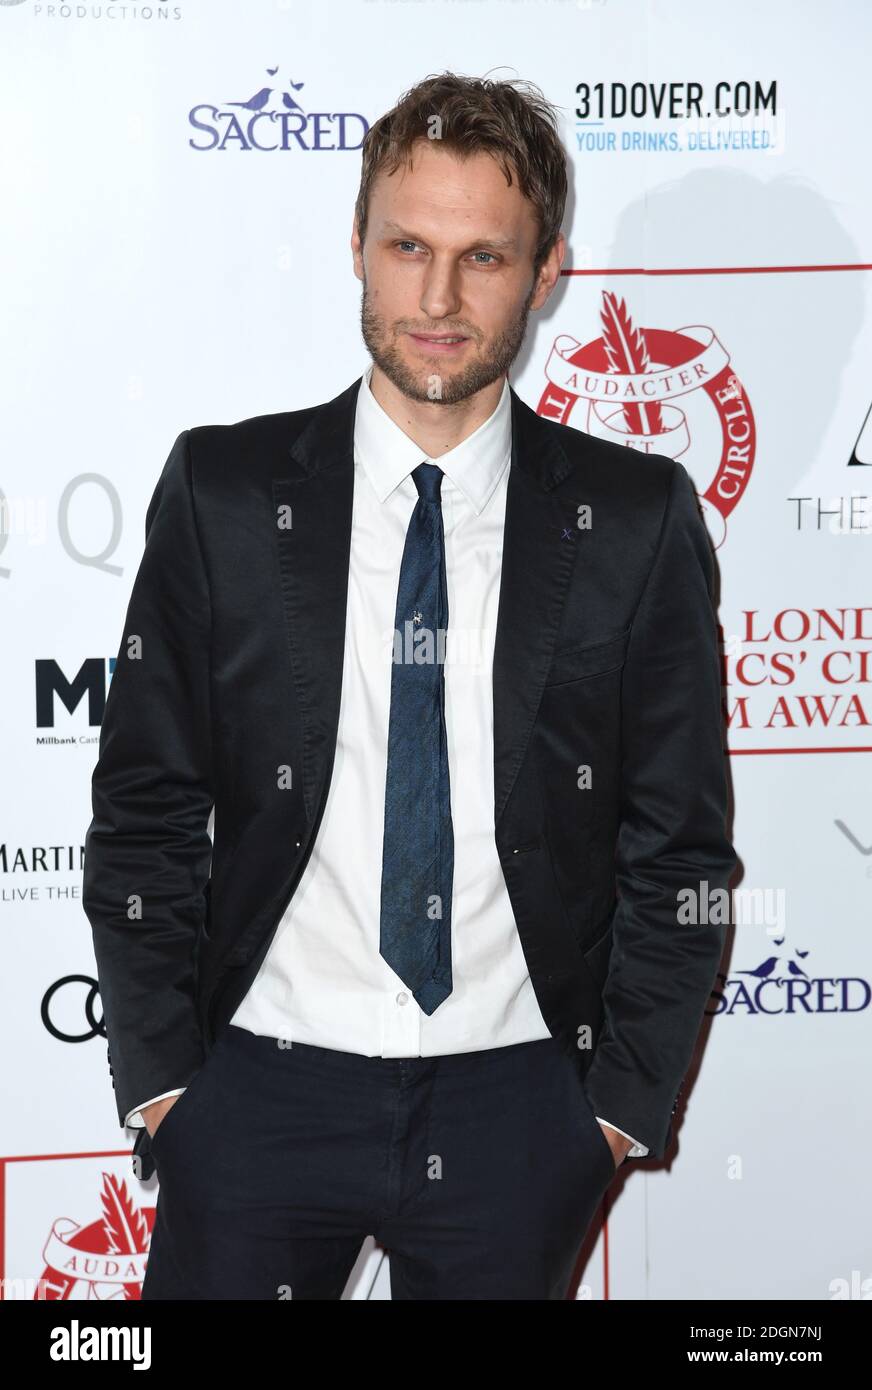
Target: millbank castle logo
274	118
655	389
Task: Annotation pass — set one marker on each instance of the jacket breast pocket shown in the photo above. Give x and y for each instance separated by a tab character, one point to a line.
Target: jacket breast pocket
593	659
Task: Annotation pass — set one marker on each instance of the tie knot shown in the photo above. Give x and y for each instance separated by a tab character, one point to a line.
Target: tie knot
428	481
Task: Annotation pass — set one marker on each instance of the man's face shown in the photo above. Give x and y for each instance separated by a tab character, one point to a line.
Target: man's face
448	254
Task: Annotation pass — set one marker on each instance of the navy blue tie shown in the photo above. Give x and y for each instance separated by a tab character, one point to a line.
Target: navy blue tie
418	849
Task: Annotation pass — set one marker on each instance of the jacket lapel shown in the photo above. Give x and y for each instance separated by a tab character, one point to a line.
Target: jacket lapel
540	541
313	555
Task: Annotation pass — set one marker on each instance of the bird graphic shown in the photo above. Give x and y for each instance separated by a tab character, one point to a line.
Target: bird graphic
255	103
762	970
289	100
796	969
297	85
272	71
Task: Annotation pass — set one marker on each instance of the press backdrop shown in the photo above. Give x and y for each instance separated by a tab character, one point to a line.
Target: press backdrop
178	183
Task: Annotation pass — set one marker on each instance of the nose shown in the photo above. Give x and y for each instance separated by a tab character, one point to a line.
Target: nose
440	295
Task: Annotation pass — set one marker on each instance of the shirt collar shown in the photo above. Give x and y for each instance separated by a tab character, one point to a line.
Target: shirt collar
388	455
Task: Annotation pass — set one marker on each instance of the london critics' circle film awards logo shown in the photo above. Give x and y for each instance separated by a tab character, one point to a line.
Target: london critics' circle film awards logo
103	1260
659	391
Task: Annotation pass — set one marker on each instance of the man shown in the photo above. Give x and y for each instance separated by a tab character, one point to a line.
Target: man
448	674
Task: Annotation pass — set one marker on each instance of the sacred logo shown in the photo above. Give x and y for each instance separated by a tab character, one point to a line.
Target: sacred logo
782	986
662	391
104	1260
274	118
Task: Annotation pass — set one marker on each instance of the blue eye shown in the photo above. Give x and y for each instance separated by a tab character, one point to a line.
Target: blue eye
400	245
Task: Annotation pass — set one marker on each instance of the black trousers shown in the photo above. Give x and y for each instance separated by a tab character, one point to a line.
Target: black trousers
479	1172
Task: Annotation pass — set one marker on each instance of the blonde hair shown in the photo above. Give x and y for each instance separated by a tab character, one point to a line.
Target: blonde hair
510	120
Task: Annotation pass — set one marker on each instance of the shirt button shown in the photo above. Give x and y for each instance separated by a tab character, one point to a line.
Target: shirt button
402	997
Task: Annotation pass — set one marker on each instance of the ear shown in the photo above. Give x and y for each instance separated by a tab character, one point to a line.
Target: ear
549	272
357	249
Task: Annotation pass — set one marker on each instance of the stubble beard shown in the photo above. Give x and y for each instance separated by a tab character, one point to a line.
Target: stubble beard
429	383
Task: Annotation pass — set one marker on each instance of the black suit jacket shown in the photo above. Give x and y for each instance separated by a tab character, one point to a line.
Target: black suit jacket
230	670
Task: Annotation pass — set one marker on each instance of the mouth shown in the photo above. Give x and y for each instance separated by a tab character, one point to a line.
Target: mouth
439	342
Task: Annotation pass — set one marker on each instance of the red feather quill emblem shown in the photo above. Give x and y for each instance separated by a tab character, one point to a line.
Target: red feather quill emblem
627	354
125	1226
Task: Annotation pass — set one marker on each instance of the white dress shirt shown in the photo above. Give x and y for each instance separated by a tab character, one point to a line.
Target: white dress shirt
322	980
